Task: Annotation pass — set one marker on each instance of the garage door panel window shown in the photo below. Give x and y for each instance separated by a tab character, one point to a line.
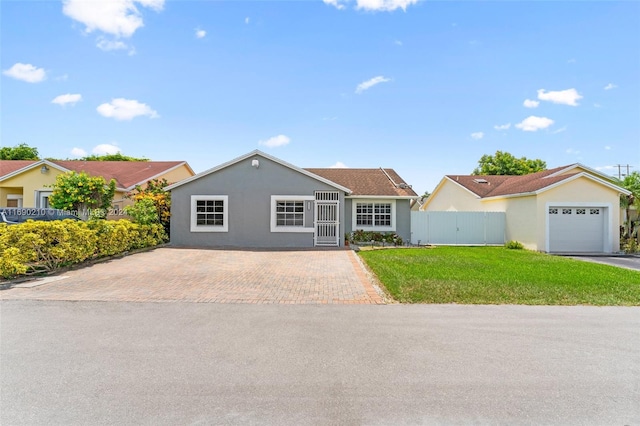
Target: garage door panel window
566	211
581	211
553	211
594	211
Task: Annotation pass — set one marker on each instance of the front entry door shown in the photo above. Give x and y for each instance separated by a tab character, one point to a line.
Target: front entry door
326	219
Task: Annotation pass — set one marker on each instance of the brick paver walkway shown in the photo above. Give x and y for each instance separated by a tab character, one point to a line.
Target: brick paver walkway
219	276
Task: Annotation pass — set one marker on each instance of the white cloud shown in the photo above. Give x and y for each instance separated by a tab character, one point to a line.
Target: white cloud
610	86
529	103
365	85
338	165
105	148
397	43
338	4
200	33
384	5
560	130
125	109
604	168
477	135
67	99
108	45
533	123
607	147
571	61
26	72
78	152
276	141
247	20
502	126
572	151
596	105
564	97
120	18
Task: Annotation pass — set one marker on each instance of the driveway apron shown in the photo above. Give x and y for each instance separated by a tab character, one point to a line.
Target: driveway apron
219	276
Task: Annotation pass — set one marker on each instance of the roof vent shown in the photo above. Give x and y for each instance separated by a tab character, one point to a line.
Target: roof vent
481	180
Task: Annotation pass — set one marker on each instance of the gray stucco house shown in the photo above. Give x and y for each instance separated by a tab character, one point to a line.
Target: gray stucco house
257	200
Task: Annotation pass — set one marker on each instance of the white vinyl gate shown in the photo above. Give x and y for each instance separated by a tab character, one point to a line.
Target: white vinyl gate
327	219
458	228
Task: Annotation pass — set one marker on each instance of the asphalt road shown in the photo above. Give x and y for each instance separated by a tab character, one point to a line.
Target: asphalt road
186	363
628	262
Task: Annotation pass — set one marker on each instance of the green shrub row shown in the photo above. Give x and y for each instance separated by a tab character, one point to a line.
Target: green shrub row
362	236
33	247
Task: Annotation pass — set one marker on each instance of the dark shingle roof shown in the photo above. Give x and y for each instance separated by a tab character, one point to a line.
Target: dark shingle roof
499	185
373	182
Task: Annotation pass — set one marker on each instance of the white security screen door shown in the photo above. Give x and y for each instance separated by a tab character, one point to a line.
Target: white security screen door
326	219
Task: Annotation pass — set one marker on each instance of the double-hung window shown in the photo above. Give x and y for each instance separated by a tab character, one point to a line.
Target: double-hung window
374	215
209	213
288	213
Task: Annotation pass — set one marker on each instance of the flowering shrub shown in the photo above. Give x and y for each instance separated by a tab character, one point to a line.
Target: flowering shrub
33	246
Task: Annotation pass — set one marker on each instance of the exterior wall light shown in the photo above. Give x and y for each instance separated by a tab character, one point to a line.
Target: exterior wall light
255	163
44	169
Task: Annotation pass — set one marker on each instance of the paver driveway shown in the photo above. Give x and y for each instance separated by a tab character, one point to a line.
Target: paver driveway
221	276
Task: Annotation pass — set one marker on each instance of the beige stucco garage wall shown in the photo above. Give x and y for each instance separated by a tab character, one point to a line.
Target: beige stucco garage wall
452	197
520	218
581	191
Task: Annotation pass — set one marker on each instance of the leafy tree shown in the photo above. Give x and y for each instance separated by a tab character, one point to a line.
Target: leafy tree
630	182
153	194
503	163
19	152
111	157
91	196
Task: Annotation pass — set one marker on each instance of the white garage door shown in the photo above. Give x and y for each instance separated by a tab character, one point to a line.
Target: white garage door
576	229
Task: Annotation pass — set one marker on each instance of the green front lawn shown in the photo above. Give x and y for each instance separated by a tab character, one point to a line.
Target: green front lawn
495	275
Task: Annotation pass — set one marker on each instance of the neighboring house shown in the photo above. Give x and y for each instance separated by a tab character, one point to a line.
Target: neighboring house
27	184
567	209
257	200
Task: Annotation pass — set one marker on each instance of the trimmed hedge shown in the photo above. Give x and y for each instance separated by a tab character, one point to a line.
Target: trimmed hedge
33	246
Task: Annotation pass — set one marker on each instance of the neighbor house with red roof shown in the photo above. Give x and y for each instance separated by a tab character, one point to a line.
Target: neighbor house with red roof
27	183
258	200
573	209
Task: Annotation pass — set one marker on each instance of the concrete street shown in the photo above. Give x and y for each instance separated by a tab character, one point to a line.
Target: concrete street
89	362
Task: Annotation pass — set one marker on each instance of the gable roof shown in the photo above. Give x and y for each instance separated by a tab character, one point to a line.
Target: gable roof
487	186
127	174
268	157
369	182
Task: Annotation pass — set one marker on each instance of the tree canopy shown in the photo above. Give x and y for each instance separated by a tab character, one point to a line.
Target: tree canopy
91	196
19	152
504	163
111	157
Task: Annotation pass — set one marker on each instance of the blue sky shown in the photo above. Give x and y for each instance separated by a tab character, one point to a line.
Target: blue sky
425	87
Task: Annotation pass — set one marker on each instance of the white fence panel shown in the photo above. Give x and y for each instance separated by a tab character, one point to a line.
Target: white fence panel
442	228
462	228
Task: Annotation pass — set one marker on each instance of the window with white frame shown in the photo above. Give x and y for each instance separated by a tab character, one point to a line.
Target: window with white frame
374	215
289	212
209	213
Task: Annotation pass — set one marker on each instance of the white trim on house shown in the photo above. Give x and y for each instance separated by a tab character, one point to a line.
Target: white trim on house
184	163
38	163
268	157
373	227
608	209
582	166
381	197
194	227
307	210
562	182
